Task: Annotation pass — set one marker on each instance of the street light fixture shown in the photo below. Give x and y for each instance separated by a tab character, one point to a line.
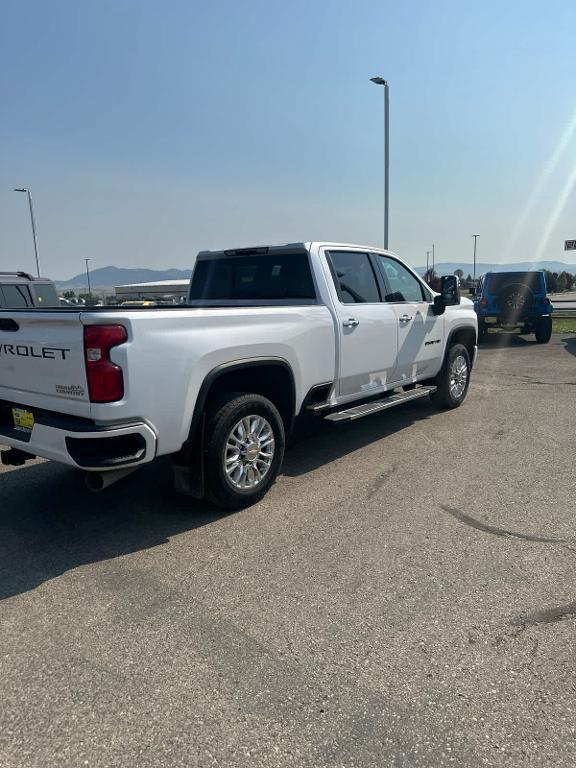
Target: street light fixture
23	189
381	81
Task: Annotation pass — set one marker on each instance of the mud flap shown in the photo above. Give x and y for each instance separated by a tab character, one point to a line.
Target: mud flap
188	466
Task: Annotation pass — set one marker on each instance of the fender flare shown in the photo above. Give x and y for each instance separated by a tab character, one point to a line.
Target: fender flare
453	332
236	365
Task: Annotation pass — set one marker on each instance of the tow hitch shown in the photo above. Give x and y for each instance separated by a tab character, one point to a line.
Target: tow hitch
14	457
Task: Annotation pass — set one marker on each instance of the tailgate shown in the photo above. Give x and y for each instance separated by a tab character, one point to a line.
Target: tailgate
42	360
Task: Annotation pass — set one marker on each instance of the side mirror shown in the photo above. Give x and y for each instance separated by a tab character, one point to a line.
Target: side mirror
450	290
449	294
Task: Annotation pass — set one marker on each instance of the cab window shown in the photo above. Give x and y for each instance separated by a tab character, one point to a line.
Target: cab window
15	297
401	285
354	277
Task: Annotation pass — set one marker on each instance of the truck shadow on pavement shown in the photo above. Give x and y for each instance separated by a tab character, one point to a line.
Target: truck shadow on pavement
50	523
321	442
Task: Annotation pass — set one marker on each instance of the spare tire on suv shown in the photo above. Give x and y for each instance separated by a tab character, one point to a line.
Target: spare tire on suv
514	301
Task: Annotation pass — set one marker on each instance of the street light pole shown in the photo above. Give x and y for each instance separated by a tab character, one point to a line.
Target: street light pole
23	189
474	273
433	258
88	275
427	261
381	81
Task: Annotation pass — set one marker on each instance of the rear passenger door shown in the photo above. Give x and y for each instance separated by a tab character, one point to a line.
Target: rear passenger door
367	335
420	332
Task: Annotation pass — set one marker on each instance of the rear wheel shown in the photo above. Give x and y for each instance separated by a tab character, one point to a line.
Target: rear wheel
244	450
453	379
543	330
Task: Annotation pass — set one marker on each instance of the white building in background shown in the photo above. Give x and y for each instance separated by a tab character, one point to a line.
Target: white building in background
163	290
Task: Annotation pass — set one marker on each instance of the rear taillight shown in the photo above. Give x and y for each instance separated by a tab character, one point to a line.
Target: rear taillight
483	303
105	379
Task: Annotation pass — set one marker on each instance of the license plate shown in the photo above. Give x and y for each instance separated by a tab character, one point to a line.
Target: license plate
23	419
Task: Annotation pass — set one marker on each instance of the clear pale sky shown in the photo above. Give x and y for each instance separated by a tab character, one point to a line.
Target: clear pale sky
149	130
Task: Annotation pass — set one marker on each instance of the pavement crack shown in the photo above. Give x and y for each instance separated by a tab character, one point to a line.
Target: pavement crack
546	616
520	624
479	525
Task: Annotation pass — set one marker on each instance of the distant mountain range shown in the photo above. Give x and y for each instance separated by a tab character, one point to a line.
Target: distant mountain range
108	277
448	268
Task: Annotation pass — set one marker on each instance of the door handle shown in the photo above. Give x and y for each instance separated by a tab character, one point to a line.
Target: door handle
352	322
405	318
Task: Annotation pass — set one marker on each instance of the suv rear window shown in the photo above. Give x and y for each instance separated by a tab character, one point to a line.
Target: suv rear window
15	297
259	278
500	280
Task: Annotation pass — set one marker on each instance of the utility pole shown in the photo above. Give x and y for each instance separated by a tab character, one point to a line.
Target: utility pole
433	258
474	273
88	275
23	189
427	260
381	81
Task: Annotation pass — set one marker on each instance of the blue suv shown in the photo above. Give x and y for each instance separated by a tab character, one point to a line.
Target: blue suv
514	300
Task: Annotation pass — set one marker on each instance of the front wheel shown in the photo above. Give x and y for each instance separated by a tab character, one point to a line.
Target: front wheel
453	379
543	330
244	450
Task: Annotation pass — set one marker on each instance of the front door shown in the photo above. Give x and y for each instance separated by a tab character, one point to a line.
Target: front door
420	332
368	339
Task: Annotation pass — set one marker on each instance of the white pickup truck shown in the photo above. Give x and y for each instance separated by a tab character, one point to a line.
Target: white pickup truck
268	334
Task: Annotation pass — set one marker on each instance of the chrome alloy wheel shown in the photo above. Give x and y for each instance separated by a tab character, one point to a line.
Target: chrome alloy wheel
249	452
458	377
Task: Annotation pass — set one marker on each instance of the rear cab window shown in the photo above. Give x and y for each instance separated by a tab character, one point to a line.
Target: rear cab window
46	295
252	278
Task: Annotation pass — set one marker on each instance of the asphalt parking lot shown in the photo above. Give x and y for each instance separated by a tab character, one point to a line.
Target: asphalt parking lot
405	596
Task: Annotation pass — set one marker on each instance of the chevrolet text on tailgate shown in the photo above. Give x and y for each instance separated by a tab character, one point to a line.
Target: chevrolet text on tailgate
268	334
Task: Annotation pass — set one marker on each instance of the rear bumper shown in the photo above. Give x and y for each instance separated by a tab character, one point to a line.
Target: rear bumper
87	446
496	319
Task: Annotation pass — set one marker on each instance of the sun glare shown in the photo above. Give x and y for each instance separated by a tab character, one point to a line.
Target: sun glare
536	193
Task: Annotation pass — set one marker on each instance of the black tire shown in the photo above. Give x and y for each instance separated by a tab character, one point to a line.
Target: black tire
543	330
220	487
445	396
